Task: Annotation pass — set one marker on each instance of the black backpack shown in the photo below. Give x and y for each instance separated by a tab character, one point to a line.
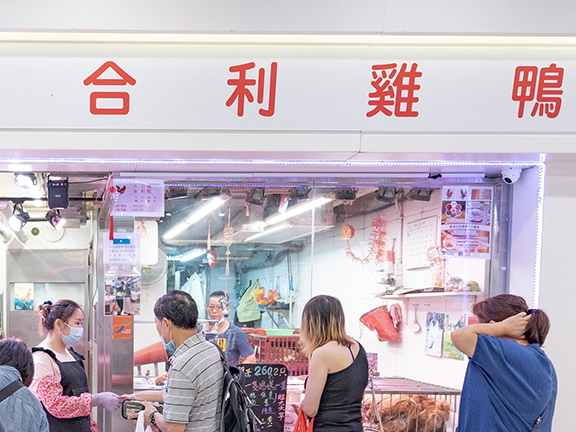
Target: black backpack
237	414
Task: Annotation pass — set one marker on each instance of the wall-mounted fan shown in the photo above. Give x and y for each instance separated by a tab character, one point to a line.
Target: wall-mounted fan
153	273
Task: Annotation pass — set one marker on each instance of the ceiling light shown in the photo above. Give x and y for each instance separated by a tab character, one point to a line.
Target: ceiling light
386	194
301	192
194	253
195	216
55	219
268	231
345	194
255	196
296	210
18	219
24	180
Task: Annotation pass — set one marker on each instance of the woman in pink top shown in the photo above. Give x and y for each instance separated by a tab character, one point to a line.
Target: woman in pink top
60	381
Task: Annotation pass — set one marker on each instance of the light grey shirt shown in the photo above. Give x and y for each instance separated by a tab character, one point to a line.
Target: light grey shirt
21	411
193	391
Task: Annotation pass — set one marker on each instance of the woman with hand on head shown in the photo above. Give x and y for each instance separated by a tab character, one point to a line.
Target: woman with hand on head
510	382
60	381
337	369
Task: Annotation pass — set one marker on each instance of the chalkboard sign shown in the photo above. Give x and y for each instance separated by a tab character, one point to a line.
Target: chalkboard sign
266	387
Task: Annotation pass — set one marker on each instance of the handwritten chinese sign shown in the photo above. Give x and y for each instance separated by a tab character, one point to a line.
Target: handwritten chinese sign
266	387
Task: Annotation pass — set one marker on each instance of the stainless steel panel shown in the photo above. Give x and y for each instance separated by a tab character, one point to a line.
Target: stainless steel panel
47	266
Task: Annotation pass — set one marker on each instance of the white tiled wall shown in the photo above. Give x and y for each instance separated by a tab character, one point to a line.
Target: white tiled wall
356	286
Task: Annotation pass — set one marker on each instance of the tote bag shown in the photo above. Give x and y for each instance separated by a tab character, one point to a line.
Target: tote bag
302	424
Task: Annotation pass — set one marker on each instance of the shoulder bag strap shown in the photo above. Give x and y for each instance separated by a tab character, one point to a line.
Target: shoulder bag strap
9	389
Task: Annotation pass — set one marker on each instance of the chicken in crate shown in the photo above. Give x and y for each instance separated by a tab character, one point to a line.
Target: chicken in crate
403	405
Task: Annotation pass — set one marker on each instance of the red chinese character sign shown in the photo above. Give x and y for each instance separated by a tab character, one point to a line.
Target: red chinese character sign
544	85
97	79
394	90
242	94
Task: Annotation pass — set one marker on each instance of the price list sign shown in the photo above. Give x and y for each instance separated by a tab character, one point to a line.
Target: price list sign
137	197
266	387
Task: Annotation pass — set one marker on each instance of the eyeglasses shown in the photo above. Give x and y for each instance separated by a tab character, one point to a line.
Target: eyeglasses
213	307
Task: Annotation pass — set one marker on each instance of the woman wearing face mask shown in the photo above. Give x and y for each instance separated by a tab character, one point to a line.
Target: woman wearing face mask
60	381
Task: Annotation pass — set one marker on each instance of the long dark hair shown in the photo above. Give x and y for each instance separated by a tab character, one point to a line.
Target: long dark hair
503	306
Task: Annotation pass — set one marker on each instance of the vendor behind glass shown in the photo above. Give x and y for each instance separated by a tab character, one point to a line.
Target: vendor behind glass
230	338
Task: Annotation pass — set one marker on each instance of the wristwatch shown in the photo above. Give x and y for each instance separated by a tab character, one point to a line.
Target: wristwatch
152	421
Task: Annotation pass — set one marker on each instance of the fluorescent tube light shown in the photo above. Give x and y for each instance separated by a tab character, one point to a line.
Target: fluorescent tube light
268	231
194	253
211	205
296	210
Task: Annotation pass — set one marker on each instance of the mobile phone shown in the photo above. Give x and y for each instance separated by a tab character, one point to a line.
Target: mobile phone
131	407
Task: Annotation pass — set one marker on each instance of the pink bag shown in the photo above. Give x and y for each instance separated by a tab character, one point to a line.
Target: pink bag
380	321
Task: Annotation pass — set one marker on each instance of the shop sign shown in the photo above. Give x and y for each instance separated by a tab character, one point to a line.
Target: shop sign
191	92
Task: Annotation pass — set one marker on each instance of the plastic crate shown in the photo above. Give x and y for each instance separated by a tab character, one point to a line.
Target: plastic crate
280	349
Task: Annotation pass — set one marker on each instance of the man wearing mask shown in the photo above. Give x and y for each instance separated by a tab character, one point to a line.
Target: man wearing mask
230	338
193	392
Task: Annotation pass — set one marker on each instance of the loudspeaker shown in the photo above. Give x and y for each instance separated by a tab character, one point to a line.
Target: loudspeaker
58	194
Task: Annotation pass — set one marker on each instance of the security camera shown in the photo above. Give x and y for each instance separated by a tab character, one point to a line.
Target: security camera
511	175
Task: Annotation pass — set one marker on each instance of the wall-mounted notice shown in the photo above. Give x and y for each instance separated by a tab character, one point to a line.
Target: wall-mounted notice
466	221
266	387
137	197
420	235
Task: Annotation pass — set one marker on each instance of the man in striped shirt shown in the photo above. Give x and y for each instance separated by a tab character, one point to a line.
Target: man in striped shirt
193	391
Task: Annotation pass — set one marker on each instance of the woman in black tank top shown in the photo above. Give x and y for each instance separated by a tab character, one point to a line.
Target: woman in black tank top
338	368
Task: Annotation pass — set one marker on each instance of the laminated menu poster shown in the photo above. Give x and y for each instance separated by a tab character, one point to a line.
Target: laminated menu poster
466	221
266	387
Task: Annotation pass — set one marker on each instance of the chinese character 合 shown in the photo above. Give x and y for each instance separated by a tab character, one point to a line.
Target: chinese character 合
97	80
546	88
242	93
394	89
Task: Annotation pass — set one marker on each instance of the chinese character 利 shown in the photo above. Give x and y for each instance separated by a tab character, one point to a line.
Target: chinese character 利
242	93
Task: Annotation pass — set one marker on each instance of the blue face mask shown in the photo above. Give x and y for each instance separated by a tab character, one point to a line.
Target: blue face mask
75	336
169	347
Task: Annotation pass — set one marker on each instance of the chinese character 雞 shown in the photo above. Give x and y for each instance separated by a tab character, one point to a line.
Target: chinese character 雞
394	90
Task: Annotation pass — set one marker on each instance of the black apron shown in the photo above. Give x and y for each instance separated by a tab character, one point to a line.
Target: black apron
74	382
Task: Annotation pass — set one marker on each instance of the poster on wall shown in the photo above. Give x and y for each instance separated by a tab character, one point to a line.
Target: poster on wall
434	333
122	274
466	222
449	350
23	296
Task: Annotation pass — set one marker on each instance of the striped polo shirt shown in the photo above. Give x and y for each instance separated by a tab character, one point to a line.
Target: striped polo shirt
193	391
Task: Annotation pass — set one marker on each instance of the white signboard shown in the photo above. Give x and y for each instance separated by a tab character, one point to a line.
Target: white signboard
137	197
390	92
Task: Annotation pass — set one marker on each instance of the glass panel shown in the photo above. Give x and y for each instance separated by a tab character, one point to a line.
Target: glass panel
271	244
